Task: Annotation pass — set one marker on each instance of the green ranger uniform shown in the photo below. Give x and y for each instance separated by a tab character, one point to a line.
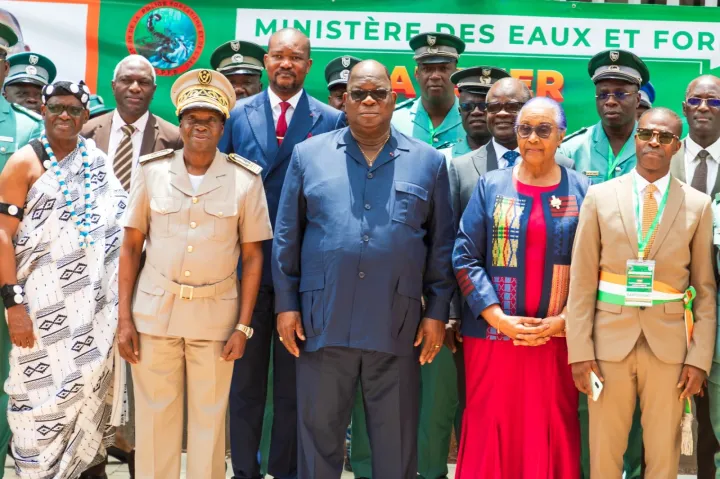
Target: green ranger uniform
411	119
714	377
590	150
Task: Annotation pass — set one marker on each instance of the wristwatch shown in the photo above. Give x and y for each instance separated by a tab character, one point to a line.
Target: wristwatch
245	329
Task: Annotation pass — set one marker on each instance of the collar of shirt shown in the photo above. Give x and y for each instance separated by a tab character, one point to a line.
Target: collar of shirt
499	152
692	149
118	122
276	100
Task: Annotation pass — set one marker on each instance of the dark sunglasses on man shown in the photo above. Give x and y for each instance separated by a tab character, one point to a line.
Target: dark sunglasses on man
664	137
710	102
469	106
378	95
72	110
618	95
512	107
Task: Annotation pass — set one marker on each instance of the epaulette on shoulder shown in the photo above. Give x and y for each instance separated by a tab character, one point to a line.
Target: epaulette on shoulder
405	104
254	168
577	133
155	156
21	109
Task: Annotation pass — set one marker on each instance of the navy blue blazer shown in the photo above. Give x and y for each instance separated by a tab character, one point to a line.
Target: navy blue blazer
250	132
356	248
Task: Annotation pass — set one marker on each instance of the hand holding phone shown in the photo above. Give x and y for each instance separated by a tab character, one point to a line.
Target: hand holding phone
596	384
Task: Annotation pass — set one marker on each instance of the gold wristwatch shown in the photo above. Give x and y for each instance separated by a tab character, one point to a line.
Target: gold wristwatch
245	329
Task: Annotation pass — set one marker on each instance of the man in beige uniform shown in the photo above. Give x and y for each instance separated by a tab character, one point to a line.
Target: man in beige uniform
180	319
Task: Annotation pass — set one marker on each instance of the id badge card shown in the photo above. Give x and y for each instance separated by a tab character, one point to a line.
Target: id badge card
639	286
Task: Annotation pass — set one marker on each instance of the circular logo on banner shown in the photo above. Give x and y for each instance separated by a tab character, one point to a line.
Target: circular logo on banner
169	34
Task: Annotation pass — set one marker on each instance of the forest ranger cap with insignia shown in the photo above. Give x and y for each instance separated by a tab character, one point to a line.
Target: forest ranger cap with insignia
203	89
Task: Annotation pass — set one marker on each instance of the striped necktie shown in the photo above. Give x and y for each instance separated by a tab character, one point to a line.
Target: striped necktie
122	163
650	209
699	181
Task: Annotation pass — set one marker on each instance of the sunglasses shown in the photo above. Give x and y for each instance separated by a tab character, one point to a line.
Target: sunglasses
469	106
378	95
664	137
70	109
618	95
511	107
710	102
543	130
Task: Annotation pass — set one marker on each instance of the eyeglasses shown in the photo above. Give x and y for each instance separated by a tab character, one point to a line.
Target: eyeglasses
710	102
618	95
664	137
469	106
378	95
71	109
543	130
511	107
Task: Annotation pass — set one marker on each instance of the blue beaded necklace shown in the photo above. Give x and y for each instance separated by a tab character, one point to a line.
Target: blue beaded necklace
83	225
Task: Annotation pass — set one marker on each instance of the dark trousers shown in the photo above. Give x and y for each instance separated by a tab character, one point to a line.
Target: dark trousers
707	444
390	387
247	399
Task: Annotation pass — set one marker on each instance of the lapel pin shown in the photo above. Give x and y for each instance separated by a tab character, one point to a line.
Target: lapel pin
555	202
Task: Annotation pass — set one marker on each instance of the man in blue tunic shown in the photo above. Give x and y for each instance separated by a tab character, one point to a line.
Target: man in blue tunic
364	233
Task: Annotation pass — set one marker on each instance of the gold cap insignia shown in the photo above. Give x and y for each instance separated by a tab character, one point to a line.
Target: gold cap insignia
204	77
237	58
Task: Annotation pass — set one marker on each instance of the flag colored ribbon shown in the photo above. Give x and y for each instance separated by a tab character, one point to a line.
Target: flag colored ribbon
611	289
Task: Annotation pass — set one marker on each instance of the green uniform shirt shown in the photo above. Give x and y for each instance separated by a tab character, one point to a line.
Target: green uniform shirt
589	148
411	119
18	126
458	149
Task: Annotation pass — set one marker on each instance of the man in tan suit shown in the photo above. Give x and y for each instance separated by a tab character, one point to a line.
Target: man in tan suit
181	319
641	349
131	131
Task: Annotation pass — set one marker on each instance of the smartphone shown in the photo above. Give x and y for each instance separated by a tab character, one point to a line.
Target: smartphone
597	385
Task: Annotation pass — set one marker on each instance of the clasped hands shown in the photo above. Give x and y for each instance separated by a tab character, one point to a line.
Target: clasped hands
525	331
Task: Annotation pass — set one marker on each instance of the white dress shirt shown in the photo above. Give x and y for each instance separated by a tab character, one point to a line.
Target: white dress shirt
691	162
662	184
500	151
116	136
195	181
276	109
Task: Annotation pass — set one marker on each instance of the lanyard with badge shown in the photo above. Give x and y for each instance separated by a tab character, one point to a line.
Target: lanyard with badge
641	272
613	160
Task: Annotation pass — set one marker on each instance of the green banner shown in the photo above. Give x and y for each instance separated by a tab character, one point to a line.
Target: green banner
545	43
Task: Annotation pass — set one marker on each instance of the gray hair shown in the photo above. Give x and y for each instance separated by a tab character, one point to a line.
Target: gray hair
138	58
560	119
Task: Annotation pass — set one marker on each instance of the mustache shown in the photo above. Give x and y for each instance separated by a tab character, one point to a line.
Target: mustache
287	72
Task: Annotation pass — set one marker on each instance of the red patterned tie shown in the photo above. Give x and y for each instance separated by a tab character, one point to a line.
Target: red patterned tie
282	125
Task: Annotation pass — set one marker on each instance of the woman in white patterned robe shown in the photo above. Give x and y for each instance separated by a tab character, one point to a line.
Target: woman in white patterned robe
62	407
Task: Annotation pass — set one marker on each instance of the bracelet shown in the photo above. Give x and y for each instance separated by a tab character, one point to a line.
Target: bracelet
12	295
11	210
498	328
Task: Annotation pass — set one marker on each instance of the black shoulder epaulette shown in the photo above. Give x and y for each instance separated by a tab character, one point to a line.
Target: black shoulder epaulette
21	109
254	168
573	135
156	155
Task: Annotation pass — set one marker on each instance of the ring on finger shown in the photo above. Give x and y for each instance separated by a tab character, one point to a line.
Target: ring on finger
281	338
437	346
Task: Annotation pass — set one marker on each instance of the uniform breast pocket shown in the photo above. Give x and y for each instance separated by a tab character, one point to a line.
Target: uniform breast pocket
223	216
411	204
164	216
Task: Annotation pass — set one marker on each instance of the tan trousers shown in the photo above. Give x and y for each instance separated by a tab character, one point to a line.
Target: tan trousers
641	374
159	378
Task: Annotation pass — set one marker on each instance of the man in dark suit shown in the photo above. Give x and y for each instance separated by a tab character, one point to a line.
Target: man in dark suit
364	233
265	128
131	130
696	163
